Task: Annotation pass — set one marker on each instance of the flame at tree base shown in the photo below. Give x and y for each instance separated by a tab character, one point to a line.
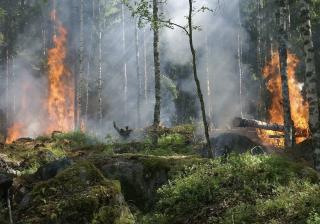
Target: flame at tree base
60	102
57	112
299	107
14	132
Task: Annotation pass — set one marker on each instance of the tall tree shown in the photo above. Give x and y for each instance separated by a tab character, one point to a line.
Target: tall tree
157	75
240	61
188	29
124	49
139	89
100	112
283	55
81	81
196	79
311	80
145	65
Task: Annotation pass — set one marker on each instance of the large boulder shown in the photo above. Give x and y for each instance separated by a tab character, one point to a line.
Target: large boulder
141	176
51	169
227	143
78	195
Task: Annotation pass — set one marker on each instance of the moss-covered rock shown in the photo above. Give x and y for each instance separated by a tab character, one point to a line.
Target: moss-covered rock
79	194
142	175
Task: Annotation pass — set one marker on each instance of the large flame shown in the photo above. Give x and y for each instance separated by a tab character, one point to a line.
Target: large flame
60	102
299	107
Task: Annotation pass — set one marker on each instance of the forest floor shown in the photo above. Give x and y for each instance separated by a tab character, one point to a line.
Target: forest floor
75	178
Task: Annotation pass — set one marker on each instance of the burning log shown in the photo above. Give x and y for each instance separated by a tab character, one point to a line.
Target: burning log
251	123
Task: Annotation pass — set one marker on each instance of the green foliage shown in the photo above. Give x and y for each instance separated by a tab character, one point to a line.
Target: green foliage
76	139
169	85
245	189
168	145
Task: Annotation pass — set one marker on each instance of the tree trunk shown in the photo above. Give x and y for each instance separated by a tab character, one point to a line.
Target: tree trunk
311	81
13	83
145	65
7	86
211	152
208	81
240	62
139	89
81	71
239	122
100	113
283	55
156	54
125	75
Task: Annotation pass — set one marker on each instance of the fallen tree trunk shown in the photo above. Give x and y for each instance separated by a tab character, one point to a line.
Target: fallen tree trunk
251	123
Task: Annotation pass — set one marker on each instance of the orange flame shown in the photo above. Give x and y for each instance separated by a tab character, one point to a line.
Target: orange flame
299	107
60	102
14	132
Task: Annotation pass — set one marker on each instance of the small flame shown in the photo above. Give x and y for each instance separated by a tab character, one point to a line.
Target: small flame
14	132
299	107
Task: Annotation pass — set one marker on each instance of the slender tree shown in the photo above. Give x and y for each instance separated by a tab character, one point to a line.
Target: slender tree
145	66
283	55
156	55
139	89
81	81
196	79
124	49
311	80
240	61
100	112
208	79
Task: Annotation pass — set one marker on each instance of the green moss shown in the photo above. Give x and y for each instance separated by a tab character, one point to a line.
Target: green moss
75	195
116	215
75	139
245	189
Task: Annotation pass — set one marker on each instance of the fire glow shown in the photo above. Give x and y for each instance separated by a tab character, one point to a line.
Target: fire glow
299	107
58	103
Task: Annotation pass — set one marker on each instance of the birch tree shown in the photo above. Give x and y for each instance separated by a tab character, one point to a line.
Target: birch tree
100	112
311	80
139	89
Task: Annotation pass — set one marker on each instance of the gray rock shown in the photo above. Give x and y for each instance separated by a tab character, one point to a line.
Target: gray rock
138	183
227	143
6	182
51	169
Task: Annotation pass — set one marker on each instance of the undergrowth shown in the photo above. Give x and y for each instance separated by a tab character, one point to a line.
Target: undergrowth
244	189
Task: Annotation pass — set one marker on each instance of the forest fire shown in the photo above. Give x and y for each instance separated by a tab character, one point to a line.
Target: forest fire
60	102
14	132
57	110
299	107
